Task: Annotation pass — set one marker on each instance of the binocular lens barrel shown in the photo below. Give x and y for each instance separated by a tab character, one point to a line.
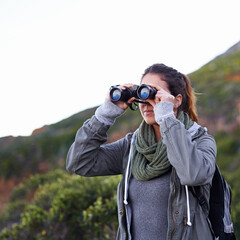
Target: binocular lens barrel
115	94
146	92
142	92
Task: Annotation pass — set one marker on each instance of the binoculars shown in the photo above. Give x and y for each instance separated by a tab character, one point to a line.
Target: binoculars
142	92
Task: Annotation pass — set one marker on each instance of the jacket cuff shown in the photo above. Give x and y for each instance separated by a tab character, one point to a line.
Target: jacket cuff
108	112
162	111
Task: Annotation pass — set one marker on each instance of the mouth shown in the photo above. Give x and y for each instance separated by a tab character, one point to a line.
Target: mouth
148	112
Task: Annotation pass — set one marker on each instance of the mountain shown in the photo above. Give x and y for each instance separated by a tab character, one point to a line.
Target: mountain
47	147
217	85
233	49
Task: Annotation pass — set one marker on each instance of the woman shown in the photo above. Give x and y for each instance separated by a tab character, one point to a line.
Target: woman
160	162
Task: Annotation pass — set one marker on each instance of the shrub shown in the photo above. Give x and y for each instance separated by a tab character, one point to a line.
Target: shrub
70	207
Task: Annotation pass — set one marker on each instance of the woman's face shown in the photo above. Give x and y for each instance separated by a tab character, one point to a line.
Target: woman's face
147	109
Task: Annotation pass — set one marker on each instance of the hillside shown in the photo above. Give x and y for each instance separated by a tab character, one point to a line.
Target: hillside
217	85
35	165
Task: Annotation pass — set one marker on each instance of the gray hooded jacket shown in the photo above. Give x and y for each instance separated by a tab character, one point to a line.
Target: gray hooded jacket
191	153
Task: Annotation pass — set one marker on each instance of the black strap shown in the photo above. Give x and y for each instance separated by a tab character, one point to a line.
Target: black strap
196	191
135	103
131	107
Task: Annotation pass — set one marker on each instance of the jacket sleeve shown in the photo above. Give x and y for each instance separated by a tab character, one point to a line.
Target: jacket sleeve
88	156
194	161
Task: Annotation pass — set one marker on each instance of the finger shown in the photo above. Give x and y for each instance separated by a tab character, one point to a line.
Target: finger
131	100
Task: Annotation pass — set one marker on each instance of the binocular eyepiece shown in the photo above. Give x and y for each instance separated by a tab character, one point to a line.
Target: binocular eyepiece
142	92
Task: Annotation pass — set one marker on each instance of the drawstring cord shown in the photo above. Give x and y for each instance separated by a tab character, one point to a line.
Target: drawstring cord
188	207
128	167
126	179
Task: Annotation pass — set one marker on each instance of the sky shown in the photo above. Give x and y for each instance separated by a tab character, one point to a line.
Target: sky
59	57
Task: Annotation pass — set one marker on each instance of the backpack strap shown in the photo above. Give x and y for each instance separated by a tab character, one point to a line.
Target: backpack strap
201	131
216	202
196	191
218	208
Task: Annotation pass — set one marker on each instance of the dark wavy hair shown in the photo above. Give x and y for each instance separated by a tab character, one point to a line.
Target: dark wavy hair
178	83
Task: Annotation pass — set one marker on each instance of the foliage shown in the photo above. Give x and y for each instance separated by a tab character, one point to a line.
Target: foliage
233	180
25	189
71	207
12	213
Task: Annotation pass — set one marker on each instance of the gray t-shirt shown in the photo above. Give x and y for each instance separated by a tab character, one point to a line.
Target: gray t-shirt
149	204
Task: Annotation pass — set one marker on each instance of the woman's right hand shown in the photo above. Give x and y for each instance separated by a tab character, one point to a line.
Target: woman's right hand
122	104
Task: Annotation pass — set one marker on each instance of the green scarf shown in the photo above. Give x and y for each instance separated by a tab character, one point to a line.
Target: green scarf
149	156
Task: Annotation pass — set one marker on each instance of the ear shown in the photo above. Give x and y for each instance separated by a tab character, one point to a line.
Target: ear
178	101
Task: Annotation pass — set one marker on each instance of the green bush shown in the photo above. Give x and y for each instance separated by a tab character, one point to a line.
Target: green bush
33	217
70	207
11	213
30	185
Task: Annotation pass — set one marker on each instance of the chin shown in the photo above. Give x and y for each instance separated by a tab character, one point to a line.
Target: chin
150	121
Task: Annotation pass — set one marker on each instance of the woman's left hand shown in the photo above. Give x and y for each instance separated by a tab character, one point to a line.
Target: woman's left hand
161	96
